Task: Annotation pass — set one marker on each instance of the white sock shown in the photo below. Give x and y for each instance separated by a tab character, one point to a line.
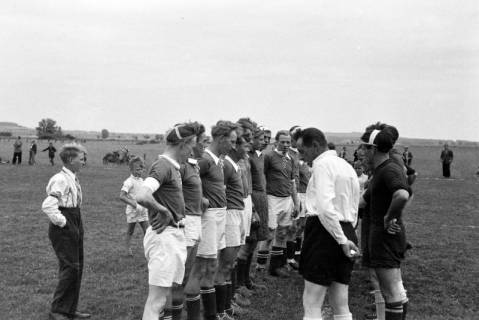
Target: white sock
347	316
307	318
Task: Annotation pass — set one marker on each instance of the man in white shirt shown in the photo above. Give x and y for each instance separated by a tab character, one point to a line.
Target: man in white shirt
62	206
329	247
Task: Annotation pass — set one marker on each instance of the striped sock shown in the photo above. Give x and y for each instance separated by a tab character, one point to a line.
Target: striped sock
394	310
262	257
290	250
193	307
167	315
177	309
404	309
208	297
379	302
276	258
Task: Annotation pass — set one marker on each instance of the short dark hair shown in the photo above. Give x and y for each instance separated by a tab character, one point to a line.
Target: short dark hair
385	139
331	146
182	131
247	123
309	135
223	129
281	133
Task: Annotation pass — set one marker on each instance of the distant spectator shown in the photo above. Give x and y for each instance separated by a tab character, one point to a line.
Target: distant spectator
17	151
446	158
343	154
51	152
33	152
407	156
331	146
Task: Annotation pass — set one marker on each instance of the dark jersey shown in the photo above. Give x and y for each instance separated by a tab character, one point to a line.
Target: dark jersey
213	181
170	193
192	191
234	185
387	179
257	171
279	171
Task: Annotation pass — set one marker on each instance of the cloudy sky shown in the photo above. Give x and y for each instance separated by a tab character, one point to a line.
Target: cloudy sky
141	66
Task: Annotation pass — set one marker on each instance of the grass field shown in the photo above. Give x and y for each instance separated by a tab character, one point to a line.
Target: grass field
441	273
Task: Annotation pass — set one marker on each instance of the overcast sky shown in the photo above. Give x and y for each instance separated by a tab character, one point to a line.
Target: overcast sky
142	66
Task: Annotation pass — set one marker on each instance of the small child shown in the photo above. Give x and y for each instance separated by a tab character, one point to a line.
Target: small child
362	177
134	212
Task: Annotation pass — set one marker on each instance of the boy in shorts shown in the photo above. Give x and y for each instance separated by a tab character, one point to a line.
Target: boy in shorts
135	213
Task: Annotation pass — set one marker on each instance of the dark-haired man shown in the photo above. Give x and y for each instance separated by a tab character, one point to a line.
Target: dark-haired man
446	158
387	195
332	198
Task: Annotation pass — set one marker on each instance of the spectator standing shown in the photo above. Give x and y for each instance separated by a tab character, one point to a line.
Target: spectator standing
17	151
407	156
33	152
446	158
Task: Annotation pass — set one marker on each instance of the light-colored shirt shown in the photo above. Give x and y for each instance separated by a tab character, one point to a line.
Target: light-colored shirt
131	187
362	182
63	190
333	193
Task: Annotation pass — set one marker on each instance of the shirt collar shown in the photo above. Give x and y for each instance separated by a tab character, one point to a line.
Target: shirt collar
295	150
171	160
328	153
215	158
258	153
281	154
234	164
69	173
192	161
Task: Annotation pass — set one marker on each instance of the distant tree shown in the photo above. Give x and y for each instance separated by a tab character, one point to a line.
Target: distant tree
159	137
104	133
47	129
5	134
69	137
146	136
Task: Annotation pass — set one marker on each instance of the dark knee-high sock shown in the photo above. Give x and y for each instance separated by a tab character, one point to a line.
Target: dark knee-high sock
283	257
208	297
394	310
276	258
167	314
246	270
297	248
177	308
220	298
240	272
193	307
234	280
229	295
262	258
290	245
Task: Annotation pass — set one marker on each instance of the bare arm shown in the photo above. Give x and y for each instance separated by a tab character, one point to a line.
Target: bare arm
398	202
127	199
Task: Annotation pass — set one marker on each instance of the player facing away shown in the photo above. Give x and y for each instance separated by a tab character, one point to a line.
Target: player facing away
164	241
135	213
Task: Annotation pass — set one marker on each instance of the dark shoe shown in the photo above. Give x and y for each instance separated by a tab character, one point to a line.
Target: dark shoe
279	272
81	315
293	264
58	316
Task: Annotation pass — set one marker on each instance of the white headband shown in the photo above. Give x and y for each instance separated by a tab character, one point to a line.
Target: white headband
178	132
373	136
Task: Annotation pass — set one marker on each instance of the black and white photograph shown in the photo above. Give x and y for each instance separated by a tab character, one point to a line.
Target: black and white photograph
239	160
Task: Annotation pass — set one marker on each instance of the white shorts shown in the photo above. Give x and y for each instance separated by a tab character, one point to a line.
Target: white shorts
248	213
302	205
213	223
234	227
166	256
192	230
136	215
279	211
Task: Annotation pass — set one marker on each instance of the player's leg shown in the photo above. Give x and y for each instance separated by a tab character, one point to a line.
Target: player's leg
130	229
313	297
155	302
338	298
391	285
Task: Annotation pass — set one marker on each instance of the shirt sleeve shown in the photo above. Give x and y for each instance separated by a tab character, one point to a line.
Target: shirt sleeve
325	194
395	179
159	172
127	185
55	191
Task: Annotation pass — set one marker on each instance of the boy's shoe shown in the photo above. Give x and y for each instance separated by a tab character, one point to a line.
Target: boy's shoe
293	264
224	316
236	310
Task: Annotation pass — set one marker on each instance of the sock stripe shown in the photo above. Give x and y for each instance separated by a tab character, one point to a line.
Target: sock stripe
178	307
206	291
195	298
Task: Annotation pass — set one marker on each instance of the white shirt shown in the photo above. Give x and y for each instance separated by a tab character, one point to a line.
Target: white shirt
333	193
131	187
62	191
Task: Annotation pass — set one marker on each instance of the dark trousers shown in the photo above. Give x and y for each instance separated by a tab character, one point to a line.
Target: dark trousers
446	170
31	160
51	160
68	245
17	156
